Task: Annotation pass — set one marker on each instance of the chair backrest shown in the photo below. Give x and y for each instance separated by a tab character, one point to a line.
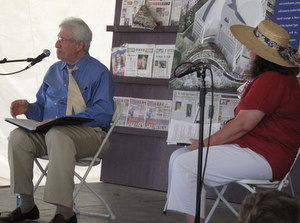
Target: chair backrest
287	176
117	113
95	160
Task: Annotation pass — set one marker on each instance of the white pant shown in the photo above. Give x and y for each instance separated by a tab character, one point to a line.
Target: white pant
225	164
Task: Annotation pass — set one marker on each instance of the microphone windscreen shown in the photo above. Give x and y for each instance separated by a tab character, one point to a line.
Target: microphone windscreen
46	52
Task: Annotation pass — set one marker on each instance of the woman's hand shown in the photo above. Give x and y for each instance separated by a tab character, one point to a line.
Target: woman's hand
194	145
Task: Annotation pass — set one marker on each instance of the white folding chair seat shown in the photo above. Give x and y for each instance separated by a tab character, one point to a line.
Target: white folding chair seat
252	185
88	162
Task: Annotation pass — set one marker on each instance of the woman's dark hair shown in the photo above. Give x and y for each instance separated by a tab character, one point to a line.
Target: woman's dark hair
260	65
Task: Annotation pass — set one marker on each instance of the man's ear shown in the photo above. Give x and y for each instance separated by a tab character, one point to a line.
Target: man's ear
80	46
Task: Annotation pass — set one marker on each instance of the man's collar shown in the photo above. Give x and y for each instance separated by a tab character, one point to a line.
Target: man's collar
81	63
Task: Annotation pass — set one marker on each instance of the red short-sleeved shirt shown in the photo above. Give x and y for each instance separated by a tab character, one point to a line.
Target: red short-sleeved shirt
277	136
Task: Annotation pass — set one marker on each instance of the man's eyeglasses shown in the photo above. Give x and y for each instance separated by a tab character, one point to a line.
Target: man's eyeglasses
62	39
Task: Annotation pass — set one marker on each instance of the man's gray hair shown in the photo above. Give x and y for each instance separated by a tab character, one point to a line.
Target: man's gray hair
80	30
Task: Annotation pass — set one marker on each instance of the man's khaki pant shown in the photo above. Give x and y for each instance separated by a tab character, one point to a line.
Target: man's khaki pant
63	145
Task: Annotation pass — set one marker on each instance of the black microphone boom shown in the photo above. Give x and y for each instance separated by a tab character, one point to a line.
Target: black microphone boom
39	58
189	68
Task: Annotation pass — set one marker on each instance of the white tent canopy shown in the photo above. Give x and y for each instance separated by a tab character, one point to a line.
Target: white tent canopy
27	28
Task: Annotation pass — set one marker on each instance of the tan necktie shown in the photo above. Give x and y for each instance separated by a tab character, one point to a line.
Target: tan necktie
75	100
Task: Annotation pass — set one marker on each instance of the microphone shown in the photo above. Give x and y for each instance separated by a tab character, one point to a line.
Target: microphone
189	68
39	58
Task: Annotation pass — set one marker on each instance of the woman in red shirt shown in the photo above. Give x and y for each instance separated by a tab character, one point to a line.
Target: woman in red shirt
262	140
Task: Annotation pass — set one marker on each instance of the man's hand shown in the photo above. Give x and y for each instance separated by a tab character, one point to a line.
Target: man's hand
18	107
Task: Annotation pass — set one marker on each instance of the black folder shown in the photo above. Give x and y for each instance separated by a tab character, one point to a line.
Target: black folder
36	126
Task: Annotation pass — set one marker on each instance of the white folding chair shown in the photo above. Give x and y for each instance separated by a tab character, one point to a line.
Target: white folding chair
252	185
87	162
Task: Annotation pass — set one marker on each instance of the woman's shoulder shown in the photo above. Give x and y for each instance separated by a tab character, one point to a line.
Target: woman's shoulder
274	76
268	74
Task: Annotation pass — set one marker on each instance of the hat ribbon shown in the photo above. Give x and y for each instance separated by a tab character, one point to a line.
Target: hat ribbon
290	54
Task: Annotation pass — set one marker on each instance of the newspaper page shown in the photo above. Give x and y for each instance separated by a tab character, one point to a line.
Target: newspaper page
139	59
158	114
163	59
143	19
118	60
180	132
184	106
175	13
128	11
227	104
160	10
136	113
125	105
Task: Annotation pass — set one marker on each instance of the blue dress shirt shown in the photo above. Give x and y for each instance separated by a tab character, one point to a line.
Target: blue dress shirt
96	86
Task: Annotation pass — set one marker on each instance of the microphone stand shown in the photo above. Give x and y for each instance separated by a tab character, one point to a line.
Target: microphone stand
200	74
21	60
12	61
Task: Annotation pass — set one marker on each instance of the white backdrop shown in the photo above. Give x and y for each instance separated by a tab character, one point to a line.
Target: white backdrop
27	27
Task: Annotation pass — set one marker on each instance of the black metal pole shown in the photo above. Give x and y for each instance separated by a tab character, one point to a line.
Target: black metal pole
202	90
12	61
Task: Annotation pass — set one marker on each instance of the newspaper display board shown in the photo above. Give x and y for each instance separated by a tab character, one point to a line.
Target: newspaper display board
156	114
160	10
163	59
145	113
139	59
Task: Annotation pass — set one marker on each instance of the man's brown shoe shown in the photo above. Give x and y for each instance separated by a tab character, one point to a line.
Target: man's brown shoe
17	215
58	218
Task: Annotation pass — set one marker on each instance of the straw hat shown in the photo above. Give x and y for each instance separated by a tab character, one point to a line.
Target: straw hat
269	41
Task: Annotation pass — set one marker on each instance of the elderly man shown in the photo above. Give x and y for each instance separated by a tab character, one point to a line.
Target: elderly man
63	144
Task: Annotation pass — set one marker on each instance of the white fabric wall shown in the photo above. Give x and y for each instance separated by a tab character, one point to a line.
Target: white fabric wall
27	27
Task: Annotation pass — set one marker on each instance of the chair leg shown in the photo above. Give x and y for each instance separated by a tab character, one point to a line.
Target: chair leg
79	211
217	201
76	192
43	174
227	203
291	185
165	207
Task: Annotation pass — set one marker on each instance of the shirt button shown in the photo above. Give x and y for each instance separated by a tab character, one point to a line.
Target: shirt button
55	103
65	85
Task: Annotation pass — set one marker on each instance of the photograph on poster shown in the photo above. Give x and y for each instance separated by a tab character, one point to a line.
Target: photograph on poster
204	37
